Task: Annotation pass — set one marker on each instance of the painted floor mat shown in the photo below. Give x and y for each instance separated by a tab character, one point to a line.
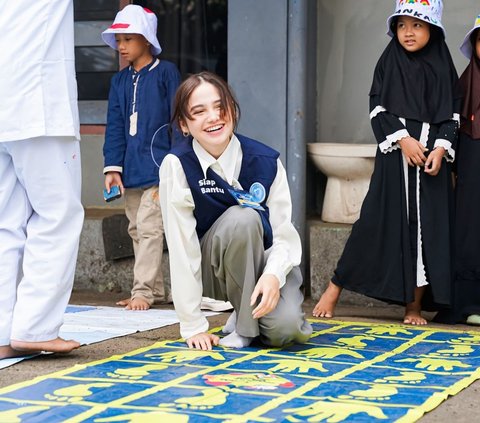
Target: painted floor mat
349	371
90	324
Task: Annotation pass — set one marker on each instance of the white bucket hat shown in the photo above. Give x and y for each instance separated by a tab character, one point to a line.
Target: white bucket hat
466	47
133	19
426	10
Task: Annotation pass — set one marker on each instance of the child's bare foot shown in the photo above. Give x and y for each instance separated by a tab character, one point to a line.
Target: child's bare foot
413	310
58	345
327	302
138	303
6	351
413	315
124	302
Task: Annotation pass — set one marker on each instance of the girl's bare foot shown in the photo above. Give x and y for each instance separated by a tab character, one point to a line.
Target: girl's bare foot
58	345
6	351
327	302
137	303
413	315
413	310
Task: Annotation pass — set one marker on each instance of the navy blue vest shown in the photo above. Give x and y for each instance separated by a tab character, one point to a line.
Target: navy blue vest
211	195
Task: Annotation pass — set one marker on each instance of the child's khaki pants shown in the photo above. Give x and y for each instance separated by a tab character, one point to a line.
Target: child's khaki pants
145	227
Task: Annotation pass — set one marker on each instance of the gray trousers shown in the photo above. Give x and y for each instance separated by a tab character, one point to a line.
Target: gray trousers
233	259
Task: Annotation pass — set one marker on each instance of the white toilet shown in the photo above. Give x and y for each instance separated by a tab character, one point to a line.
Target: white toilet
348	168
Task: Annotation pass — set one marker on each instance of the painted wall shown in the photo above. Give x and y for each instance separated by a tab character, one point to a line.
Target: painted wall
92	176
274	76
257	68
350	39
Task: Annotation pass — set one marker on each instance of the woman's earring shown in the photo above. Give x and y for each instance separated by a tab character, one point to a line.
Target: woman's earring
186	134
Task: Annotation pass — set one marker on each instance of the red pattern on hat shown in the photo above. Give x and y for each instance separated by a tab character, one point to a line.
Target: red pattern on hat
119	26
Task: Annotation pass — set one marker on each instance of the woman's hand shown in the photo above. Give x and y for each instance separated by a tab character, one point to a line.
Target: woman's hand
268	286
434	161
203	341
413	151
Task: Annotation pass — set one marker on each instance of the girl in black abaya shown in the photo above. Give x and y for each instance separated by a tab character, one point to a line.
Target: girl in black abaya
466	292
399	250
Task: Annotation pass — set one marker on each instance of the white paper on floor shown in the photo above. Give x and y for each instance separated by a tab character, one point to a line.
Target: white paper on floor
90	324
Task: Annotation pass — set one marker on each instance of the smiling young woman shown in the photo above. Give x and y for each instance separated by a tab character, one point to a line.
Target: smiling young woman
209	123
227	214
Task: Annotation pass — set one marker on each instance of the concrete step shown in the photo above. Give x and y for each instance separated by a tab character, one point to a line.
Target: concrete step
94	271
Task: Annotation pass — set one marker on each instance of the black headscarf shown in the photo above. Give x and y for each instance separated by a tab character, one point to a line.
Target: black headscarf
470	87
422	85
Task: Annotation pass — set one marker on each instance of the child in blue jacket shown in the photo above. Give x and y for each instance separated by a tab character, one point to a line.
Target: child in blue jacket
137	139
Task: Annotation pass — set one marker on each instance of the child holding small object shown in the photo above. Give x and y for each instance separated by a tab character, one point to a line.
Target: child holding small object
224	242
136	140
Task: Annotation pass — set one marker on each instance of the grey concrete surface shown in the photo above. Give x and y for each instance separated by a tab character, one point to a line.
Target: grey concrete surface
462	408
94	272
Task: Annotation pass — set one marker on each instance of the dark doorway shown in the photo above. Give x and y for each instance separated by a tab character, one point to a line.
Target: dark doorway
192	33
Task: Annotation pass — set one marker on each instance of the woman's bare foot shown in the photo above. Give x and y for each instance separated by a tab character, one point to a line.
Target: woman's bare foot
58	345
6	351
138	303
327	302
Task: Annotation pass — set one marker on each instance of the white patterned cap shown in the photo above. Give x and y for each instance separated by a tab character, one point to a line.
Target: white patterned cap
466	47
133	19
429	11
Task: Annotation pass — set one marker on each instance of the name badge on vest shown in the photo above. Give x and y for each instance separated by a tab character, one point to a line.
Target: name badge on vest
252	199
